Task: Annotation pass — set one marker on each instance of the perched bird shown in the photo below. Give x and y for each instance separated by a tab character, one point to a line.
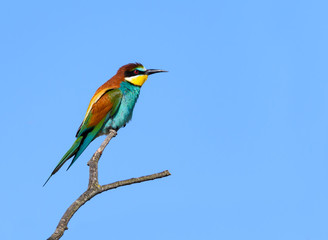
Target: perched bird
110	107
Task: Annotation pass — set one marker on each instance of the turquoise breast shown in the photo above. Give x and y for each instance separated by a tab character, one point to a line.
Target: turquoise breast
124	112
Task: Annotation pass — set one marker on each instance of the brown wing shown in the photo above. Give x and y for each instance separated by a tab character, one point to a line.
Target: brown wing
105	106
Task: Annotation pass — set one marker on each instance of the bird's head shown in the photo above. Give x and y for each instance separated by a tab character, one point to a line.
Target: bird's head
136	73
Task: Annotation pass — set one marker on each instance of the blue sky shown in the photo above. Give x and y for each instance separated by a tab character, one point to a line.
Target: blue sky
240	120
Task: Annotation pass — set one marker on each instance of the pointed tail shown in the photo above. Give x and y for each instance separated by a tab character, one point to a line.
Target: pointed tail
70	153
78	147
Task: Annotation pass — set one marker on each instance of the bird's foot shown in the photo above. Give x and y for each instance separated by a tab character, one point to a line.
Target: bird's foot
113	131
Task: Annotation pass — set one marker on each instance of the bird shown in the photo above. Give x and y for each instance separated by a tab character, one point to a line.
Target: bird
110	107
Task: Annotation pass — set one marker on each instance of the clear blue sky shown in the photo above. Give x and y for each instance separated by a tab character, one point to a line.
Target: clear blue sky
240	120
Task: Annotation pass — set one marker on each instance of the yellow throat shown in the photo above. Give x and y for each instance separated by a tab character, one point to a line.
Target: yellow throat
137	80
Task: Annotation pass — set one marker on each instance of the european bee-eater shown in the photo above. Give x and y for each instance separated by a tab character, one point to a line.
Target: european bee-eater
110	107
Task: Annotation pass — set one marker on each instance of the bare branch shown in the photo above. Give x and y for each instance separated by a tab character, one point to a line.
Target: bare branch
94	188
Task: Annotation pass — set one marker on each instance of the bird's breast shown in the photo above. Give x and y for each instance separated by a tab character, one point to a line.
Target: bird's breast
124	112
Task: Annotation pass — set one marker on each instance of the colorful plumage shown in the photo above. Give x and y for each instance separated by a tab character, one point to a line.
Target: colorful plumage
111	107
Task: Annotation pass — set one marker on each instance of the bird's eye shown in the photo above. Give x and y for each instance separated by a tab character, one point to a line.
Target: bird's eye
135	71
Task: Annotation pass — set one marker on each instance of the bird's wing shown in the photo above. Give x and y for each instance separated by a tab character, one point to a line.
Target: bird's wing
102	105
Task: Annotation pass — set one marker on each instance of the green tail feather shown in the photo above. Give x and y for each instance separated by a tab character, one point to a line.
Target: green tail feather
88	139
75	147
78	147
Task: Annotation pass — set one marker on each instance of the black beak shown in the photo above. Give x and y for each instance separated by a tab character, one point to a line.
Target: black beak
152	71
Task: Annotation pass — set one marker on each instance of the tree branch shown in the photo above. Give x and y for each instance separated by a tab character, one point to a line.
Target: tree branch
94	188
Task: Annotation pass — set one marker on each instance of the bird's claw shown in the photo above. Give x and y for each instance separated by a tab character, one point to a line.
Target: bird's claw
114	132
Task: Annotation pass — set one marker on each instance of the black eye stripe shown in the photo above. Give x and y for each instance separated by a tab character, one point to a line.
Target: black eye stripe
133	73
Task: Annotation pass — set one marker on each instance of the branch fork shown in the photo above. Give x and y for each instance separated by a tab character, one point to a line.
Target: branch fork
94	188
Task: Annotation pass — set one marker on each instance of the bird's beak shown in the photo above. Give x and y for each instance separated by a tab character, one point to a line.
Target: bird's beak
152	71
